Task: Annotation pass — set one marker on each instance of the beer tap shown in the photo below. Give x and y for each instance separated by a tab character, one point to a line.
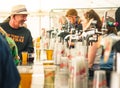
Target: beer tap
91	35
104	25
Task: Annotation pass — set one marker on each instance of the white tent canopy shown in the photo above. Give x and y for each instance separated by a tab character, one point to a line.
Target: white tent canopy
42	8
34	5
78	3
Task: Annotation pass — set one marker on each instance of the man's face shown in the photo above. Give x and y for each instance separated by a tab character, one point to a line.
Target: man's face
72	19
19	19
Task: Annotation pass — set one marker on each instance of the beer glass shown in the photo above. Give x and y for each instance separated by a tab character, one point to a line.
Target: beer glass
49	53
49	77
24	57
25	75
48	62
26	80
38	52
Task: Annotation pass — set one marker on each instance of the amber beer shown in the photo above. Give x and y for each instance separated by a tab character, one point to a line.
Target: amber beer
49	53
38	52
26	79
24	58
37	46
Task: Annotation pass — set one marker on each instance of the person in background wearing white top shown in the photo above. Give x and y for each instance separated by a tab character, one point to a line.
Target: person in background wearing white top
89	16
108	51
86	20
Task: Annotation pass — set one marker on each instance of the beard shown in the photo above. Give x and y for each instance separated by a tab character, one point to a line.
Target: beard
21	24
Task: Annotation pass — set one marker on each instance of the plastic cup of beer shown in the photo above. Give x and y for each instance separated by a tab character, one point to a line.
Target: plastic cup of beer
38	52
49	54
49	76
26	76
24	57
26	80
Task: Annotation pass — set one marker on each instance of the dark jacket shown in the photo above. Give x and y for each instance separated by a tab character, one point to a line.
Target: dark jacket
9	76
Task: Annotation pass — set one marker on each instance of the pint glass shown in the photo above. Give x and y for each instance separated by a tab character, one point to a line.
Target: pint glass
38	52
24	57
49	53
49	76
26	79
25	75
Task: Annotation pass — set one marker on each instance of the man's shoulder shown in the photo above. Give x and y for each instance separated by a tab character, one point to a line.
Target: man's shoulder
4	24
25	29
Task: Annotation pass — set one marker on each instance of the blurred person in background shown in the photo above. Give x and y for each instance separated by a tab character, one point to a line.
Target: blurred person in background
94	52
107	43
9	75
71	23
117	19
15	29
63	23
86	21
73	20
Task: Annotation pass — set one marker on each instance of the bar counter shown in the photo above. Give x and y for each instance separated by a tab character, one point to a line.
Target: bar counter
34	76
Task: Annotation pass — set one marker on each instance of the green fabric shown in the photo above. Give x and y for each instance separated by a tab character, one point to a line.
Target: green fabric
12	45
14	49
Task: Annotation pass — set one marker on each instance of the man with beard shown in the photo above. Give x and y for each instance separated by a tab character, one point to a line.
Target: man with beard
15	29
